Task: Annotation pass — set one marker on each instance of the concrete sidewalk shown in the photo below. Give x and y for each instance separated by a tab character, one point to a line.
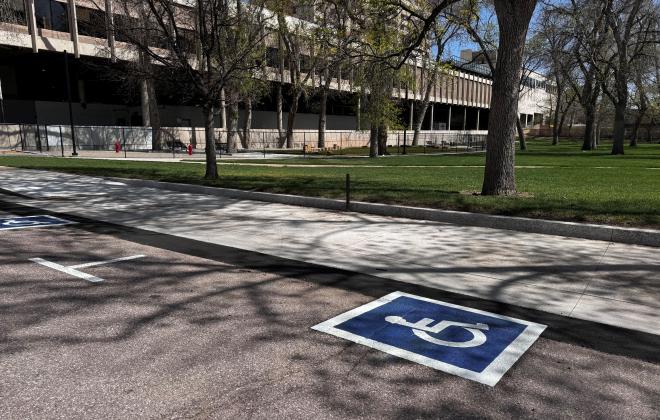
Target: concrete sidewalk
598	281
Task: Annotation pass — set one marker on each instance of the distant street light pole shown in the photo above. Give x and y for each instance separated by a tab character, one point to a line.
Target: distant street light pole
68	96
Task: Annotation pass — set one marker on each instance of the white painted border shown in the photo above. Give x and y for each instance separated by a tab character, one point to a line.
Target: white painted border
63	222
489	376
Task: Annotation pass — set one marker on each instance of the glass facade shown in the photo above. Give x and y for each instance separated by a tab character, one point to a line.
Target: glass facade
13	12
52	15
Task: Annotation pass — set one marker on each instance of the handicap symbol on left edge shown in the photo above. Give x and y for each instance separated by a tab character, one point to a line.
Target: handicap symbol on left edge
467	342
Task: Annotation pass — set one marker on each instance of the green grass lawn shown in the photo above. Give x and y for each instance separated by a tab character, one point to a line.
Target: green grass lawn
539	153
558	182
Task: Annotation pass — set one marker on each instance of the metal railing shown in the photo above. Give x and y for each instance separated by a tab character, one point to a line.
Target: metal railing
178	141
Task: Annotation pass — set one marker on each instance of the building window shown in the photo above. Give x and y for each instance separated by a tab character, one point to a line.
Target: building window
91	22
52	15
187	40
13	11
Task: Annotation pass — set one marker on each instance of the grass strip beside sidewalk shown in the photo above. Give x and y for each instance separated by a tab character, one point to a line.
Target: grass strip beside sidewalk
618	194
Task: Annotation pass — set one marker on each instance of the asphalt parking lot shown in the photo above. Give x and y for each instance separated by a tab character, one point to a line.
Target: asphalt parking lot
177	328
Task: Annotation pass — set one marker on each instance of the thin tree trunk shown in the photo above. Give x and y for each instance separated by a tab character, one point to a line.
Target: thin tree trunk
499	173
156	143
596	139
211	163
280	128
247	128
358	112
280	95
425	104
521	134
635	130
560	126
322	117
555	119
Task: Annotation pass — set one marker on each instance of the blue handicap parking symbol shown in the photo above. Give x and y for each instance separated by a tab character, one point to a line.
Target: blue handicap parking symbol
467	342
31	221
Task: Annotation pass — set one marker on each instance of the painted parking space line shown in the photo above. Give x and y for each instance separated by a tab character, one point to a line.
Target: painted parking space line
68	270
92	264
72	270
24	222
470	343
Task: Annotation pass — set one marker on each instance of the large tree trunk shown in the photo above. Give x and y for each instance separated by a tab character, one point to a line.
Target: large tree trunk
144	103
211	163
247	128
513	18
382	139
521	134
232	126
291	119
619	131
373	141
589	125
322	117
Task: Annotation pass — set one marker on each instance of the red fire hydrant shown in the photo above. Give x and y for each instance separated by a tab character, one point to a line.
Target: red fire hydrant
190	149
117	146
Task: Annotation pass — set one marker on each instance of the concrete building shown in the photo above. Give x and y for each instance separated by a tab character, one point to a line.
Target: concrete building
32	72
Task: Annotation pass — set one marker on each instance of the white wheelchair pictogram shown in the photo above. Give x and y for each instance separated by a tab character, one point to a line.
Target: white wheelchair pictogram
423	327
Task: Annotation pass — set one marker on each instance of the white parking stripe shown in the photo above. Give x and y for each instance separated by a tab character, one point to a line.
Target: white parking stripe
92	264
68	270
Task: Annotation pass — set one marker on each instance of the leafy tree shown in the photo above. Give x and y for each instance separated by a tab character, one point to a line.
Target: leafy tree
203	47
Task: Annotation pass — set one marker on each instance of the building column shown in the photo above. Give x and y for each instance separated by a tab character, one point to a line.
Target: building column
449	119
110	29
478	115
32	23
464	117
412	114
223	109
431	121
73	27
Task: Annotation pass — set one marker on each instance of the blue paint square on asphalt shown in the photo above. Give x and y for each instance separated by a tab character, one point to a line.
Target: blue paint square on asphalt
22	222
467	342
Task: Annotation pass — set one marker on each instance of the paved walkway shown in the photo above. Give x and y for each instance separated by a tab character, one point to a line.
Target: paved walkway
605	282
